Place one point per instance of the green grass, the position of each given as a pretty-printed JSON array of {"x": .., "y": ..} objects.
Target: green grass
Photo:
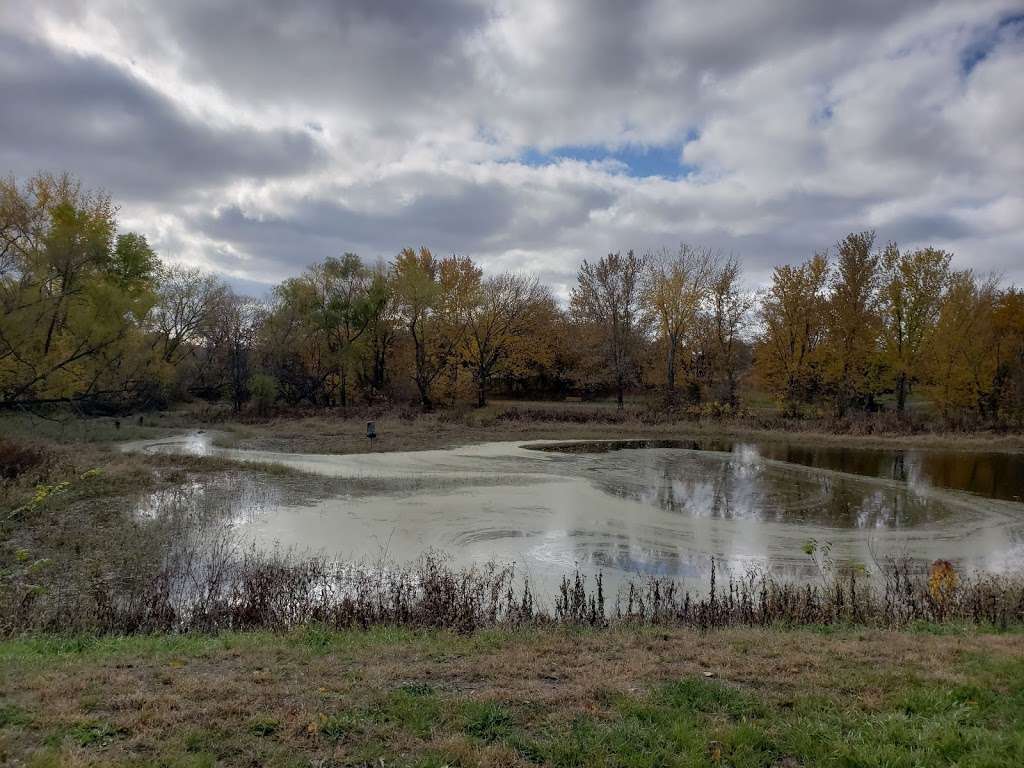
[
  {"x": 70, "y": 428},
  {"x": 425, "y": 698}
]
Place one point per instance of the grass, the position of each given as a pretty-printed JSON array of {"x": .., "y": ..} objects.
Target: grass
[
  {"x": 539, "y": 696},
  {"x": 405, "y": 428},
  {"x": 510, "y": 421}
]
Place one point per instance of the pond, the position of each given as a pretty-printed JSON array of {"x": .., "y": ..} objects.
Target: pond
[{"x": 636, "y": 508}]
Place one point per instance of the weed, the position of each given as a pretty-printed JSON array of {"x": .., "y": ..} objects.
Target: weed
[
  {"x": 337, "y": 727},
  {"x": 264, "y": 725},
  {"x": 487, "y": 721},
  {"x": 93, "y": 733},
  {"x": 11, "y": 715},
  {"x": 696, "y": 695}
]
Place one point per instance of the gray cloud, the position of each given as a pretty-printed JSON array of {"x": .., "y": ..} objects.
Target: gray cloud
[
  {"x": 275, "y": 134},
  {"x": 65, "y": 111}
]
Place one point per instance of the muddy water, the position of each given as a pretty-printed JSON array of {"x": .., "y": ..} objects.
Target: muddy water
[{"x": 660, "y": 509}]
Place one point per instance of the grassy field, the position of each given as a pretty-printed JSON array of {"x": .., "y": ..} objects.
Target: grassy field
[{"x": 561, "y": 697}]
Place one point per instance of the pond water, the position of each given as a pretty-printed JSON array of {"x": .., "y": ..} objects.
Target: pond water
[{"x": 635, "y": 508}]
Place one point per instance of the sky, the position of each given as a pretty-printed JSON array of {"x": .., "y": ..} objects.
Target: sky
[{"x": 256, "y": 137}]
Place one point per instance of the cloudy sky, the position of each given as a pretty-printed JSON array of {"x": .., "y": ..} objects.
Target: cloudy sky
[{"x": 254, "y": 137}]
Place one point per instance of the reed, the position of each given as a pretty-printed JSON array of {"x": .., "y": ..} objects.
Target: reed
[{"x": 209, "y": 585}]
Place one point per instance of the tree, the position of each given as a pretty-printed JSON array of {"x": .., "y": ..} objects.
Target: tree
[
  {"x": 962, "y": 362},
  {"x": 730, "y": 309},
  {"x": 675, "y": 287},
  {"x": 854, "y": 326},
  {"x": 229, "y": 343},
  {"x": 417, "y": 295},
  {"x": 433, "y": 298},
  {"x": 498, "y": 318},
  {"x": 543, "y": 359},
  {"x": 912, "y": 288},
  {"x": 381, "y": 330},
  {"x": 293, "y": 347},
  {"x": 70, "y": 303},
  {"x": 186, "y": 300},
  {"x": 793, "y": 328},
  {"x": 311, "y": 337},
  {"x": 134, "y": 264},
  {"x": 342, "y": 310},
  {"x": 1008, "y": 324},
  {"x": 607, "y": 295},
  {"x": 460, "y": 282}
]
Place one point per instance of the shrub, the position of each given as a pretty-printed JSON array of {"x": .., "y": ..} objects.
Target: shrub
[
  {"x": 263, "y": 389},
  {"x": 17, "y": 459}
]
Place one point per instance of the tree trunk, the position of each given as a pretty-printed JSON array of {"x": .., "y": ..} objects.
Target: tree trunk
[
  {"x": 378, "y": 370},
  {"x": 901, "y": 393},
  {"x": 424, "y": 389},
  {"x": 670, "y": 375},
  {"x": 481, "y": 393}
]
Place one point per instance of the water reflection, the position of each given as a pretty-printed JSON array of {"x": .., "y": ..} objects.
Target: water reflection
[
  {"x": 657, "y": 510},
  {"x": 224, "y": 498},
  {"x": 701, "y": 485},
  {"x": 986, "y": 473}
]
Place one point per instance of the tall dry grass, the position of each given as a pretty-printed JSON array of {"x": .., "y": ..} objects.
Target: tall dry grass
[{"x": 209, "y": 585}]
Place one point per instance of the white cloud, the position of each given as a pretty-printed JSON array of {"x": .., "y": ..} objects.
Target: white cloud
[{"x": 258, "y": 137}]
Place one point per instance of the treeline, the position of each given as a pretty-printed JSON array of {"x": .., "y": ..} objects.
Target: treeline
[{"x": 94, "y": 318}]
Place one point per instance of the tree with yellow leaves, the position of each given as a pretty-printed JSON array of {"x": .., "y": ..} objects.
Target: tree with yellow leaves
[
  {"x": 793, "y": 320},
  {"x": 912, "y": 288},
  {"x": 853, "y": 365},
  {"x": 73, "y": 296},
  {"x": 962, "y": 363},
  {"x": 676, "y": 286},
  {"x": 434, "y": 298},
  {"x": 500, "y": 316},
  {"x": 1008, "y": 324}
]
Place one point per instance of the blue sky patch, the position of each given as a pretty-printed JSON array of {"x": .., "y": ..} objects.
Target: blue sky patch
[
  {"x": 984, "y": 44},
  {"x": 640, "y": 161}
]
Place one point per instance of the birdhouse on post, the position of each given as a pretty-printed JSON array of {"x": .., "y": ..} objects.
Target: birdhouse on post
[{"x": 371, "y": 430}]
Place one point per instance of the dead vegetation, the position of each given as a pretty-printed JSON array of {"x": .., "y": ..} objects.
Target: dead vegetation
[
  {"x": 198, "y": 581},
  {"x": 538, "y": 696}
]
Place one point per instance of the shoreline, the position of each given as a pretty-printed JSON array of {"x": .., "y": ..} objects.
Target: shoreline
[{"x": 337, "y": 432}]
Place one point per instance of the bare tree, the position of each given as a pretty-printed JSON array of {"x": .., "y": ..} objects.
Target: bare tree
[
  {"x": 186, "y": 301},
  {"x": 607, "y": 294},
  {"x": 228, "y": 343}
]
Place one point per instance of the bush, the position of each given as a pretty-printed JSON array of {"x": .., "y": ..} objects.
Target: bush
[
  {"x": 263, "y": 389},
  {"x": 17, "y": 459}
]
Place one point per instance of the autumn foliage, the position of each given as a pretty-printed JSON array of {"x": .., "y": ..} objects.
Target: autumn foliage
[{"x": 94, "y": 318}]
